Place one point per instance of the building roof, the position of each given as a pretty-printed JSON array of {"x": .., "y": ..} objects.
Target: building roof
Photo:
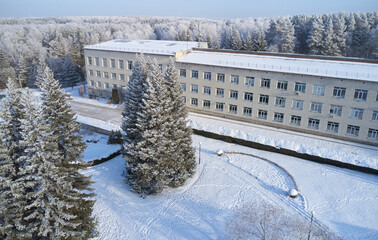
[
  {"x": 285, "y": 64},
  {"x": 146, "y": 46}
]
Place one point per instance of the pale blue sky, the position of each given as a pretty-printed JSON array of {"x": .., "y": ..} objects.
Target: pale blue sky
[{"x": 221, "y": 9}]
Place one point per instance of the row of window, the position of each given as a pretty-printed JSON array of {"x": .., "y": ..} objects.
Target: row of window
[
  {"x": 299, "y": 87},
  {"x": 99, "y": 84},
  {"x": 335, "y": 110},
  {"x": 106, "y": 75},
  {"x": 104, "y": 62},
  {"x": 294, "y": 120}
]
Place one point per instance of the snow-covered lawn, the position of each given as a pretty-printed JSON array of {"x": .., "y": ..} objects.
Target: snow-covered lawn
[
  {"x": 343, "y": 200},
  {"x": 97, "y": 146}
]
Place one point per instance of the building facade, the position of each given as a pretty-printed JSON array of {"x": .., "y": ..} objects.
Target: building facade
[{"x": 335, "y": 98}]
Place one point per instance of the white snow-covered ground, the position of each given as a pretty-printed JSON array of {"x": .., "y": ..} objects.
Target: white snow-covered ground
[
  {"x": 345, "y": 201},
  {"x": 97, "y": 146}
]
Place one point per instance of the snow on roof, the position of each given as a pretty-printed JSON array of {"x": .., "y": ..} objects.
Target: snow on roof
[
  {"x": 146, "y": 46},
  {"x": 315, "y": 67}
]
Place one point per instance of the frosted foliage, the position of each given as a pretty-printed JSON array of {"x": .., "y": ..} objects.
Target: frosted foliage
[
  {"x": 45, "y": 195},
  {"x": 157, "y": 146},
  {"x": 314, "y": 41}
]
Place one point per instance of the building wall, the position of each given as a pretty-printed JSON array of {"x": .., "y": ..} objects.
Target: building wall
[
  {"x": 327, "y": 99},
  {"x": 369, "y": 106}
]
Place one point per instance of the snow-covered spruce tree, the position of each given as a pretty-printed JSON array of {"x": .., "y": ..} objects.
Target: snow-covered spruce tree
[
  {"x": 10, "y": 151},
  {"x": 179, "y": 151},
  {"x": 22, "y": 73},
  {"x": 72, "y": 218},
  {"x": 157, "y": 146},
  {"x": 70, "y": 72},
  {"x": 315, "y": 38}
]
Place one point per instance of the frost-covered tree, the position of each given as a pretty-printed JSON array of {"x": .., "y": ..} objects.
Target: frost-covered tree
[
  {"x": 287, "y": 38},
  {"x": 248, "y": 43},
  {"x": 6, "y": 71},
  {"x": 72, "y": 217},
  {"x": 70, "y": 72},
  {"x": 157, "y": 146},
  {"x": 22, "y": 72},
  {"x": 258, "y": 41},
  {"x": 301, "y": 31},
  {"x": 329, "y": 46},
  {"x": 315, "y": 40},
  {"x": 339, "y": 31},
  {"x": 181, "y": 161},
  {"x": 11, "y": 151},
  {"x": 234, "y": 39}
]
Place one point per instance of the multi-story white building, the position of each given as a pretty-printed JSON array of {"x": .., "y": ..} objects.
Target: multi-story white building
[{"x": 332, "y": 97}]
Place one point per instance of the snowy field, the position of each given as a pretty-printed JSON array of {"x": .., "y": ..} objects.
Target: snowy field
[{"x": 345, "y": 201}]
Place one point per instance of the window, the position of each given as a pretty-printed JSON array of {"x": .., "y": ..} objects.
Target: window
[
  {"x": 105, "y": 62},
  {"x": 107, "y": 85},
  {"x": 112, "y": 63},
  {"x": 375, "y": 116},
  {"x": 206, "y": 90},
  {"x": 360, "y": 95},
  {"x": 297, "y": 104},
  {"x": 233, "y": 94},
  {"x": 280, "y": 102},
  {"x": 182, "y": 72},
  {"x": 183, "y": 86},
  {"x": 114, "y": 85},
  {"x": 234, "y": 79},
  {"x": 339, "y": 92},
  {"x": 278, "y": 117},
  {"x": 376, "y": 98},
  {"x": 97, "y": 61},
  {"x": 90, "y": 72},
  {"x": 356, "y": 113},
  {"x": 220, "y": 92},
  {"x": 207, "y": 76},
  {"x": 300, "y": 87},
  {"x": 98, "y": 74},
  {"x": 263, "y": 114},
  {"x": 92, "y": 83},
  {"x": 206, "y": 103},
  {"x": 316, "y": 107},
  {"x": 248, "y": 96},
  {"x": 89, "y": 60},
  {"x": 313, "y": 123},
  {"x": 247, "y": 111},
  {"x": 233, "y": 109},
  {"x": 194, "y": 102},
  {"x": 194, "y": 74},
  {"x": 282, "y": 85},
  {"x": 353, "y": 130},
  {"x": 319, "y": 90},
  {"x": 121, "y": 64},
  {"x": 122, "y": 77},
  {"x": 332, "y": 127},
  {"x": 249, "y": 81},
  {"x": 194, "y": 88},
  {"x": 106, "y": 75},
  {"x": 265, "y": 83},
  {"x": 335, "y": 110},
  {"x": 130, "y": 65},
  {"x": 295, "y": 120},
  {"x": 219, "y": 106},
  {"x": 220, "y": 77},
  {"x": 264, "y": 99},
  {"x": 99, "y": 84},
  {"x": 114, "y": 76},
  {"x": 160, "y": 67},
  {"x": 373, "y": 134}
]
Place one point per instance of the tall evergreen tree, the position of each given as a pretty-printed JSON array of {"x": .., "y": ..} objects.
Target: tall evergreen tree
[
  {"x": 329, "y": 47},
  {"x": 258, "y": 41},
  {"x": 157, "y": 151},
  {"x": 6, "y": 71},
  {"x": 339, "y": 30},
  {"x": 316, "y": 36},
  {"x": 11, "y": 151},
  {"x": 287, "y": 38},
  {"x": 248, "y": 43},
  {"x": 22, "y": 73},
  {"x": 65, "y": 146},
  {"x": 70, "y": 72},
  {"x": 181, "y": 160}
]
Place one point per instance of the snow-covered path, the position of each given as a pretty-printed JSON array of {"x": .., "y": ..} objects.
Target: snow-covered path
[{"x": 344, "y": 201}]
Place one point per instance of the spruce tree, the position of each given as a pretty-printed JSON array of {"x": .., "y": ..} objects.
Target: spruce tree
[
  {"x": 316, "y": 36},
  {"x": 65, "y": 146},
  {"x": 248, "y": 43},
  {"x": 258, "y": 41},
  {"x": 181, "y": 163},
  {"x": 11, "y": 151},
  {"x": 157, "y": 148},
  {"x": 22, "y": 72}
]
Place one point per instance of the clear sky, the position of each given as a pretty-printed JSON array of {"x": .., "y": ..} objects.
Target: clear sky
[{"x": 220, "y": 9}]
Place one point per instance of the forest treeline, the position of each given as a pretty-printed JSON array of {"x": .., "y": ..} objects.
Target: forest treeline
[{"x": 59, "y": 42}]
